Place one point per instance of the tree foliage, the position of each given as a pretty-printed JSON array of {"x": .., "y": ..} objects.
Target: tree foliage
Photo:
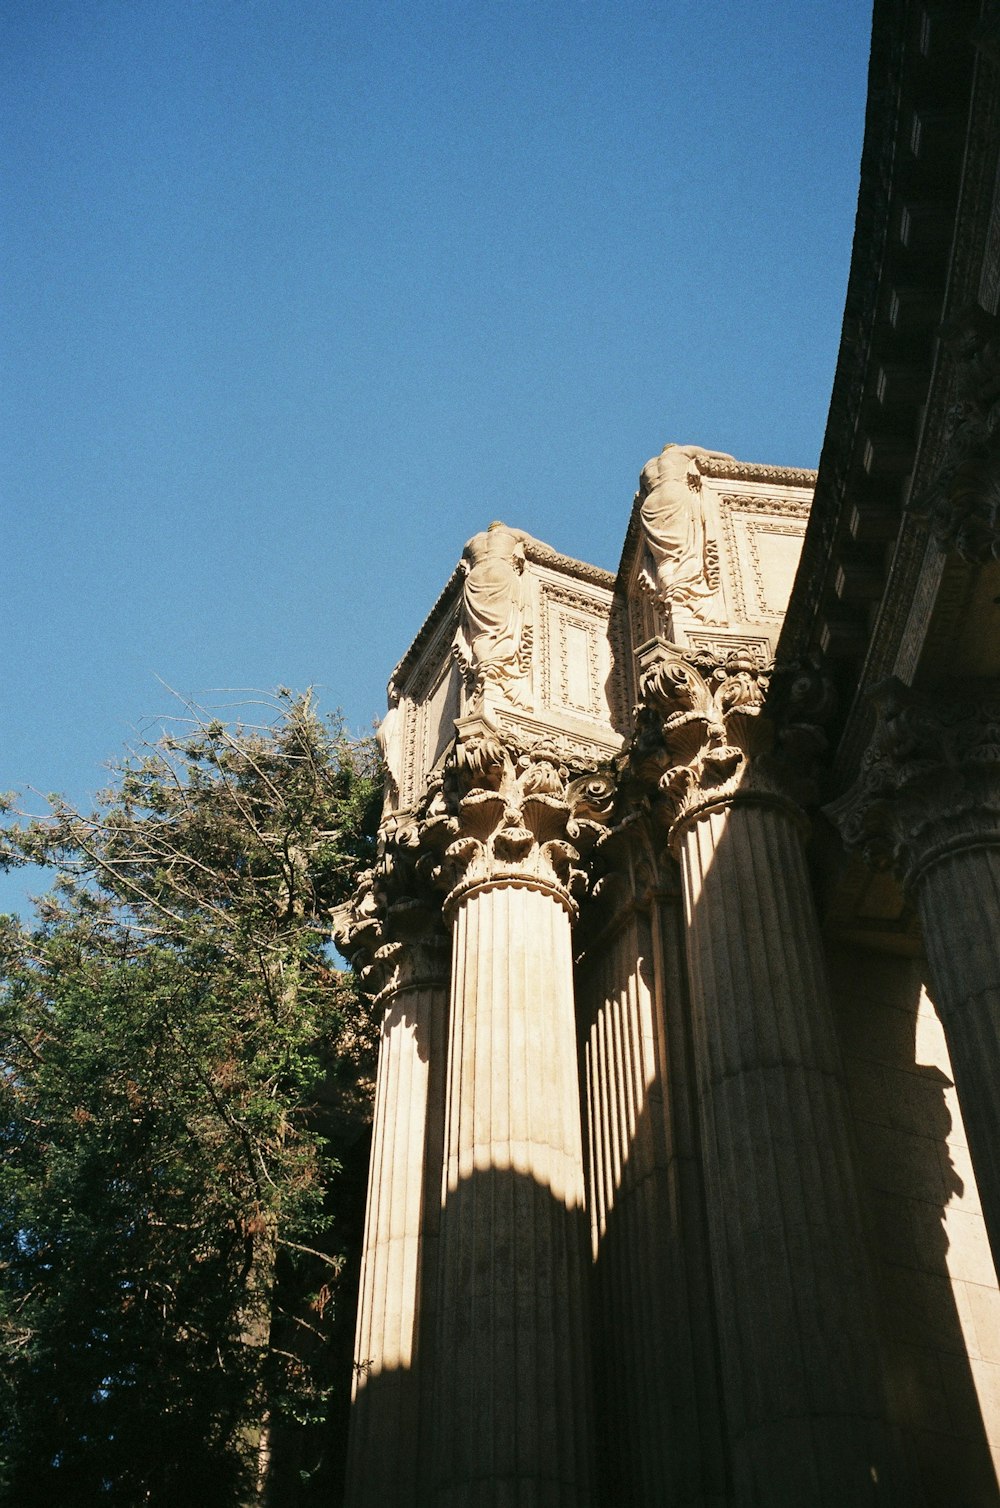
[{"x": 181, "y": 1061}]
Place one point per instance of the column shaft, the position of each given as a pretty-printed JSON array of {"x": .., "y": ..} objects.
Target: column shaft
[
  {"x": 958, "y": 899},
  {"x": 511, "y": 1392},
  {"x": 387, "y": 1452},
  {"x": 801, "y": 1370},
  {"x": 641, "y": 1223}
]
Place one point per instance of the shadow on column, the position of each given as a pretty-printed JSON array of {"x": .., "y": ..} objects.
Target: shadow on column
[
  {"x": 656, "y": 1393},
  {"x": 388, "y": 1448},
  {"x": 507, "y": 1402},
  {"x": 912, "y": 1193}
]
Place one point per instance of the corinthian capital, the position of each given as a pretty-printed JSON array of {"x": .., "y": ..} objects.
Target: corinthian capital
[
  {"x": 715, "y": 731},
  {"x": 929, "y": 784},
  {"x": 391, "y": 929},
  {"x": 514, "y": 814}
]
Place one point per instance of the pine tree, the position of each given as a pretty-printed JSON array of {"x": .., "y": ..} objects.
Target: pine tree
[{"x": 181, "y": 1063}]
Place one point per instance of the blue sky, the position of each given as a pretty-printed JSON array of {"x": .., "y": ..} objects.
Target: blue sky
[{"x": 300, "y": 294}]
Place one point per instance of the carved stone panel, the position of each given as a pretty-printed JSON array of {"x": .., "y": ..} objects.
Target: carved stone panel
[
  {"x": 575, "y": 656},
  {"x": 763, "y": 538}
]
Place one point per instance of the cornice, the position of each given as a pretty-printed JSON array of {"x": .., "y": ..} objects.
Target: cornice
[
  {"x": 870, "y": 232},
  {"x": 923, "y": 203},
  {"x": 443, "y": 604},
  {"x": 757, "y": 471},
  {"x": 544, "y": 555}
]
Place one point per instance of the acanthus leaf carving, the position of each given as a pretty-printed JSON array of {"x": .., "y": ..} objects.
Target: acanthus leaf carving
[
  {"x": 710, "y": 730},
  {"x": 391, "y": 930},
  {"x": 512, "y": 814},
  {"x": 630, "y": 867},
  {"x": 929, "y": 782}
]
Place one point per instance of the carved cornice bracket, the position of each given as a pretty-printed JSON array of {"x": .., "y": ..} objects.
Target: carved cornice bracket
[
  {"x": 714, "y": 731},
  {"x": 929, "y": 784}
]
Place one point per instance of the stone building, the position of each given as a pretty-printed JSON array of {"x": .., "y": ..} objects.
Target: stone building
[{"x": 685, "y": 1176}]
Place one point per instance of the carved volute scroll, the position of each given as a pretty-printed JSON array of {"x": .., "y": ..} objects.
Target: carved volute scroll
[
  {"x": 512, "y": 814},
  {"x": 494, "y": 639},
  {"x": 929, "y": 784},
  {"x": 683, "y": 568},
  {"x": 712, "y": 731},
  {"x": 963, "y": 501}
]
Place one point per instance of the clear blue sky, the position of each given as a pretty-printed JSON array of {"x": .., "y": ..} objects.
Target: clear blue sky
[{"x": 299, "y": 294}]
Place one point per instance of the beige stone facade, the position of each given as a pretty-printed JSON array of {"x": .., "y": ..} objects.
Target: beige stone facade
[{"x": 685, "y": 1178}]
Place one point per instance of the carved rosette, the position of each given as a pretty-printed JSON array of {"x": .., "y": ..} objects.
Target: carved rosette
[
  {"x": 929, "y": 784},
  {"x": 509, "y": 814},
  {"x": 713, "y": 731}
]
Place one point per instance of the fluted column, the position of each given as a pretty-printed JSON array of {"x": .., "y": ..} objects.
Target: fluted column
[
  {"x": 404, "y": 952},
  {"x": 927, "y": 803},
  {"x": 804, "y": 1397},
  {"x": 511, "y": 1375},
  {"x": 655, "y": 1423}
]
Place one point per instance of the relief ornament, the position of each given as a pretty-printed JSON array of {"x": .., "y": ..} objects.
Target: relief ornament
[
  {"x": 493, "y": 644},
  {"x": 683, "y": 564},
  {"x": 711, "y": 731},
  {"x": 510, "y": 813},
  {"x": 929, "y": 783}
]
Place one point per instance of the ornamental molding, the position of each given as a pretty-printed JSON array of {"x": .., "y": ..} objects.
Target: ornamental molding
[
  {"x": 727, "y": 469},
  {"x": 573, "y": 609},
  {"x": 784, "y": 507},
  {"x": 713, "y": 731},
  {"x": 785, "y": 516},
  {"x": 576, "y": 751},
  {"x": 544, "y": 555},
  {"x": 446, "y": 603},
  {"x": 929, "y": 783},
  {"x": 720, "y": 644}
]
